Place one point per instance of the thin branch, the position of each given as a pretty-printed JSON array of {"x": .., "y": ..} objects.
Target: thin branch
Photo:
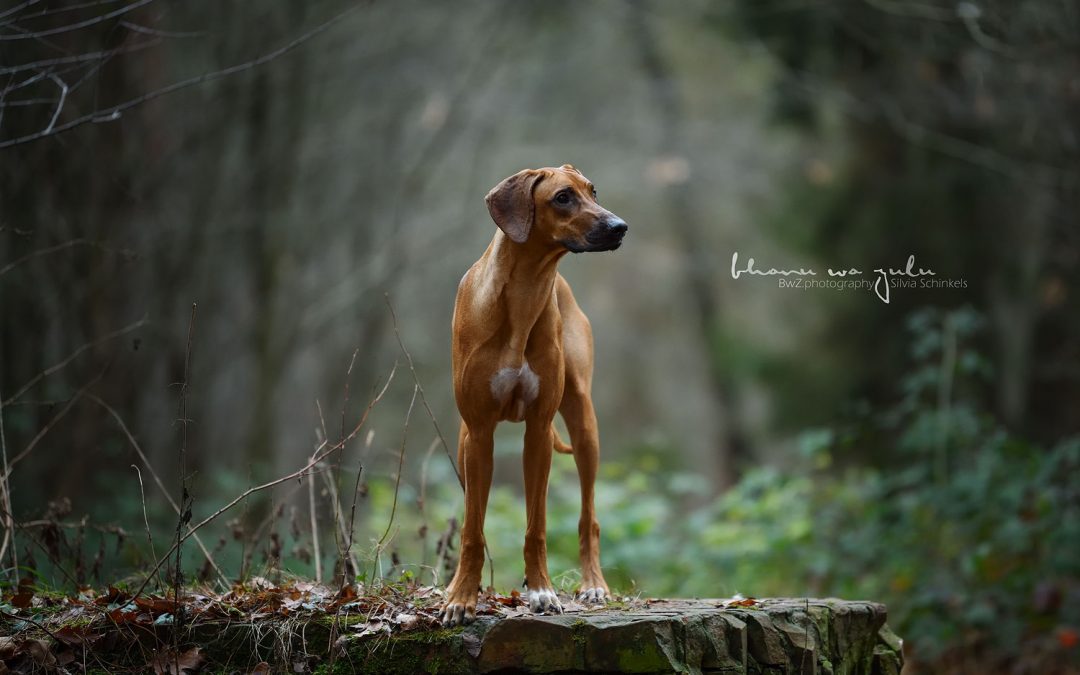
[
  {"x": 401, "y": 466},
  {"x": 146, "y": 30},
  {"x": 5, "y": 502},
  {"x": 146, "y": 520},
  {"x": 49, "y": 425},
  {"x": 77, "y": 58},
  {"x": 113, "y": 113},
  {"x": 27, "y": 102},
  {"x": 59, "y": 104},
  {"x": 18, "y": 8},
  {"x": 16, "y": 617},
  {"x": 356, "y": 492},
  {"x": 420, "y": 388},
  {"x": 157, "y": 479},
  {"x": 330, "y": 478},
  {"x": 186, "y": 500},
  {"x": 62, "y": 10},
  {"x": 56, "y": 562},
  {"x": 435, "y": 423},
  {"x": 25, "y": 83},
  {"x": 45, "y": 251},
  {"x": 71, "y": 357},
  {"x": 79, "y": 24},
  {"x": 913, "y": 10},
  {"x": 321, "y": 452},
  {"x": 346, "y": 538},
  {"x": 314, "y": 531},
  {"x": 422, "y": 502}
]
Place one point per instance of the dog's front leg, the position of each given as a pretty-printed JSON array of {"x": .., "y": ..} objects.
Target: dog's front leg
[
  {"x": 462, "y": 593},
  {"x": 537, "y": 466}
]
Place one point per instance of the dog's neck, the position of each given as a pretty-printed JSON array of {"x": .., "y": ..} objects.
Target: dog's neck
[{"x": 526, "y": 278}]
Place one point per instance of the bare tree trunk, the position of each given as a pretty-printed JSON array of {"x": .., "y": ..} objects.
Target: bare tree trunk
[{"x": 683, "y": 204}]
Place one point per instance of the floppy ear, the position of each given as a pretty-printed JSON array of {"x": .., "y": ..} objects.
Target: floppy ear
[{"x": 511, "y": 206}]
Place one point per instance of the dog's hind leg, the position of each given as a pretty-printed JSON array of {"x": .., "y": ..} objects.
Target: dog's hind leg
[{"x": 577, "y": 411}]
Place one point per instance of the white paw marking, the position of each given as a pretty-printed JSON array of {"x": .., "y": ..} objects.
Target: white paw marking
[
  {"x": 505, "y": 380},
  {"x": 544, "y": 600},
  {"x": 592, "y": 595}
]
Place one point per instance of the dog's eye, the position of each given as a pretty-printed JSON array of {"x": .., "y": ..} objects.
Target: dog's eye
[
  {"x": 563, "y": 197},
  {"x": 594, "y": 193}
]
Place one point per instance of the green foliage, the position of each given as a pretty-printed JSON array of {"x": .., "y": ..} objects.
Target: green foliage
[
  {"x": 971, "y": 537},
  {"x": 966, "y": 532}
]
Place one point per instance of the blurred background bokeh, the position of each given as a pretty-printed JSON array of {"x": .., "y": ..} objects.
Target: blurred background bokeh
[{"x": 755, "y": 439}]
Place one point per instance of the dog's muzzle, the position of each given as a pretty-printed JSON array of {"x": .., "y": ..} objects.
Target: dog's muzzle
[{"x": 606, "y": 235}]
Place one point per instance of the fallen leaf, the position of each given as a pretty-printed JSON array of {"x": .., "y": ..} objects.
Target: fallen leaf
[
  {"x": 22, "y": 600},
  {"x": 1068, "y": 638},
  {"x": 172, "y": 663},
  {"x": 373, "y": 628},
  {"x": 38, "y": 650},
  {"x": 75, "y": 636},
  {"x": 155, "y": 604},
  {"x": 740, "y": 601},
  {"x": 406, "y": 621}
]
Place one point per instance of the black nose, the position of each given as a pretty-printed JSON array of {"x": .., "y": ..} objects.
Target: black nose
[{"x": 617, "y": 226}]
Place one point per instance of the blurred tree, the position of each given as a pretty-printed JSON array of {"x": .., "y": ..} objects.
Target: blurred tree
[
  {"x": 962, "y": 122},
  {"x": 683, "y": 203}
]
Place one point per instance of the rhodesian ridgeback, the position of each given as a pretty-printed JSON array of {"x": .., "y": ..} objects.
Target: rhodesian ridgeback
[{"x": 522, "y": 349}]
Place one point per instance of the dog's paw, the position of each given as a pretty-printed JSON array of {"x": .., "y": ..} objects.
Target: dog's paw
[
  {"x": 460, "y": 609},
  {"x": 544, "y": 600},
  {"x": 592, "y": 596},
  {"x": 458, "y": 614}
]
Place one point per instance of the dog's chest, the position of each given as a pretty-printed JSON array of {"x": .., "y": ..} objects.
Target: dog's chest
[{"x": 514, "y": 389}]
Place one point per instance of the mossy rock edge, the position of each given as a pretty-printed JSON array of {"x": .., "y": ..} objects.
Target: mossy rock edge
[{"x": 773, "y": 636}]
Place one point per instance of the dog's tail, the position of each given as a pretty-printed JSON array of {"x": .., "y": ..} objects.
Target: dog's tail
[{"x": 560, "y": 445}]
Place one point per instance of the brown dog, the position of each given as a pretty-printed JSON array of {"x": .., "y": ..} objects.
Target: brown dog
[{"x": 522, "y": 350}]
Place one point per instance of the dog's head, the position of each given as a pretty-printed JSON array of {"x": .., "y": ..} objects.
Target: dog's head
[{"x": 555, "y": 207}]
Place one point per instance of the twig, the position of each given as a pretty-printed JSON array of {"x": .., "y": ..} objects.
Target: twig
[
  {"x": 420, "y": 388},
  {"x": 79, "y": 24},
  {"x": 17, "y": 8},
  {"x": 146, "y": 30},
  {"x": 345, "y": 398},
  {"x": 113, "y": 113},
  {"x": 356, "y": 492},
  {"x": 157, "y": 480},
  {"x": 146, "y": 520},
  {"x": 55, "y": 560},
  {"x": 52, "y": 11},
  {"x": 401, "y": 466},
  {"x": 314, "y": 531},
  {"x": 346, "y": 538},
  {"x": 186, "y": 500},
  {"x": 30, "y": 621},
  {"x": 78, "y": 58},
  {"x": 421, "y": 502},
  {"x": 71, "y": 357},
  {"x": 59, "y": 104},
  {"x": 49, "y": 425},
  {"x": 322, "y": 451},
  {"x": 345, "y": 555},
  {"x": 5, "y": 502},
  {"x": 330, "y": 477},
  {"x": 82, "y": 524},
  {"x": 435, "y": 423}
]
